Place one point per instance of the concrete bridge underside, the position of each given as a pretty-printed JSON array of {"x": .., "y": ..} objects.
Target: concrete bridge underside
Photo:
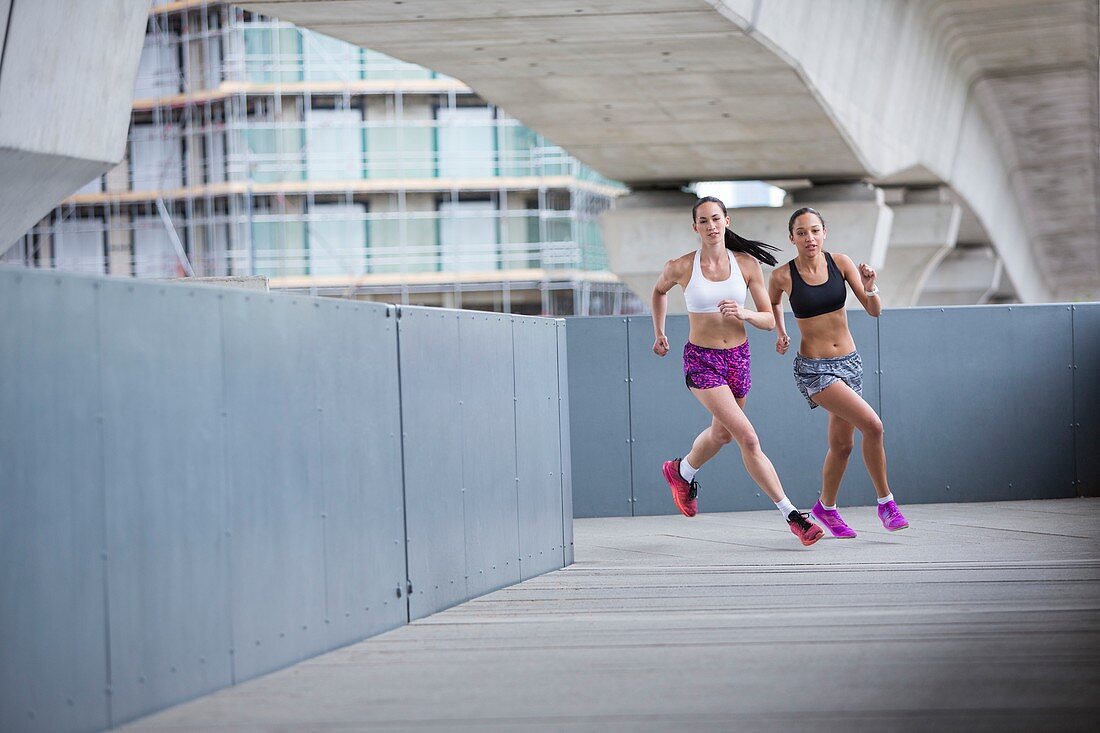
[{"x": 983, "y": 112}]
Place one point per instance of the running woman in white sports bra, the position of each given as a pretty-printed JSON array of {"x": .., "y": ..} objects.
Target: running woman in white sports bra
[{"x": 716, "y": 279}]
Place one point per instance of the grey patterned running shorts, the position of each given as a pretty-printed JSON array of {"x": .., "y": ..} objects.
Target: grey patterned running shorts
[{"x": 814, "y": 375}]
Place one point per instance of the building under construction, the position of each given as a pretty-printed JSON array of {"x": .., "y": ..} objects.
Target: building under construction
[{"x": 258, "y": 148}]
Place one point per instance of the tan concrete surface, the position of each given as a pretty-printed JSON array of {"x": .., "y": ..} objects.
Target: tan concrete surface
[{"x": 977, "y": 617}]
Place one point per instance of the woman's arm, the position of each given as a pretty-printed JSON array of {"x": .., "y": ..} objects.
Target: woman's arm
[
  {"x": 754, "y": 280},
  {"x": 669, "y": 277},
  {"x": 862, "y": 282},
  {"x": 777, "y": 285}
]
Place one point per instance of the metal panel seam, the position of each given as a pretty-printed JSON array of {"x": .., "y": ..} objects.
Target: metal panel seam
[
  {"x": 227, "y": 533},
  {"x": 7, "y": 35},
  {"x": 1077, "y": 484},
  {"x": 106, "y": 560},
  {"x": 878, "y": 349},
  {"x": 319, "y": 417},
  {"x": 401, "y": 448},
  {"x": 462, "y": 459},
  {"x": 515, "y": 448},
  {"x": 629, "y": 420},
  {"x": 561, "y": 458}
]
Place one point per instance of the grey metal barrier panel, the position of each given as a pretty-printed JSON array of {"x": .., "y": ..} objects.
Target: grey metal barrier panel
[
  {"x": 53, "y": 624},
  {"x": 431, "y": 416},
  {"x": 666, "y": 418},
  {"x": 564, "y": 445},
  {"x": 1086, "y": 396},
  {"x": 360, "y": 433},
  {"x": 599, "y": 416},
  {"x": 484, "y": 383},
  {"x": 166, "y": 509},
  {"x": 295, "y": 371},
  {"x": 978, "y": 402},
  {"x": 538, "y": 445}
]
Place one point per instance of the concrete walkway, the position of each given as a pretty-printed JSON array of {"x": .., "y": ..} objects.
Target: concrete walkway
[{"x": 977, "y": 617}]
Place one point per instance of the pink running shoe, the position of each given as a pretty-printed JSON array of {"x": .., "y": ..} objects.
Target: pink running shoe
[
  {"x": 803, "y": 528},
  {"x": 833, "y": 521},
  {"x": 891, "y": 516},
  {"x": 683, "y": 493}
]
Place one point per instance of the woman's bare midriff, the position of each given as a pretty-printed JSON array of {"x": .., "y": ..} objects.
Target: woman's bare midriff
[
  {"x": 715, "y": 331},
  {"x": 825, "y": 336}
]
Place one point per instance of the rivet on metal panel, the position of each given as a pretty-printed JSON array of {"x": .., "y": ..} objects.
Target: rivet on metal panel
[
  {"x": 141, "y": 679},
  {"x": 103, "y": 554},
  {"x": 316, "y": 305},
  {"x": 1010, "y": 307},
  {"x": 257, "y": 642},
  {"x": 248, "y": 297},
  {"x": 202, "y": 660},
  {"x": 173, "y": 669},
  {"x": 324, "y": 515},
  {"x": 220, "y": 296},
  {"x": 70, "y": 702},
  {"x": 941, "y": 310},
  {"x": 282, "y": 634},
  {"x": 95, "y": 286}
]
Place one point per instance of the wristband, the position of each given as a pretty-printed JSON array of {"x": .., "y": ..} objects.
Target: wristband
[{"x": 873, "y": 292}]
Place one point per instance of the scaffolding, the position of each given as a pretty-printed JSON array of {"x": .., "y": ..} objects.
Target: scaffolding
[{"x": 258, "y": 148}]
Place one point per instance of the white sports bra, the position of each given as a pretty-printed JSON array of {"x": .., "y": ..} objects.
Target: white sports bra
[{"x": 702, "y": 295}]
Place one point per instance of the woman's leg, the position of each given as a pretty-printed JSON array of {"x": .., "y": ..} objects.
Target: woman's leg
[
  {"x": 727, "y": 412},
  {"x": 841, "y": 434},
  {"x": 839, "y": 399},
  {"x": 710, "y": 441}
]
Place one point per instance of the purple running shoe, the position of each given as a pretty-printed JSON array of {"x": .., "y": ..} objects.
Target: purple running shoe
[
  {"x": 833, "y": 521},
  {"x": 891, "y": 516}
]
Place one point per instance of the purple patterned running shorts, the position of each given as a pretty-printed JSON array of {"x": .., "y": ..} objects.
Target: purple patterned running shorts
[{"x": 708, "y": 368}]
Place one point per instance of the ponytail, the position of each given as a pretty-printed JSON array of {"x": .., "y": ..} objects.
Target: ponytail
[{"x": 735, "y": 242}]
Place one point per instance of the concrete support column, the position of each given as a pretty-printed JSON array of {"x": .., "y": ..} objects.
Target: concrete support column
[
  {"x": 967, "y": 276},
  {"x": 120, "y": 245},
  {"x": 923, "y": 233}
]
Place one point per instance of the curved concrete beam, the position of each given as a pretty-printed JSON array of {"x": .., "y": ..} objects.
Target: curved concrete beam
[
  {"x": 66, "y": 86},
  {"x": 992, "y": 97}
]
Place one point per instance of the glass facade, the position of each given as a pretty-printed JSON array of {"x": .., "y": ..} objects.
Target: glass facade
[{"x": 332, "y": 169}]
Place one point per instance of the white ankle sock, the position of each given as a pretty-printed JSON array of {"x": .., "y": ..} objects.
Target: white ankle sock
[
  {"x": 785, "y": 507},
  {"x": 888, "y": 497},
  {"x": 829, "y": 508},
  {"x": 687, "y": 472}
]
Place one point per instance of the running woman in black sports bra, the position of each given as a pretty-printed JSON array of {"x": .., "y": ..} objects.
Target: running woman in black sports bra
[{"x": 827, "y": 368}]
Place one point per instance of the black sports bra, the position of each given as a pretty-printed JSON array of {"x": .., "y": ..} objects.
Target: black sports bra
[{"x": 808, "y": 301}]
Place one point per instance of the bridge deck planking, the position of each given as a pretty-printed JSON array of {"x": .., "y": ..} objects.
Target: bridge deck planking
[{"x": 980, "y": 616}]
